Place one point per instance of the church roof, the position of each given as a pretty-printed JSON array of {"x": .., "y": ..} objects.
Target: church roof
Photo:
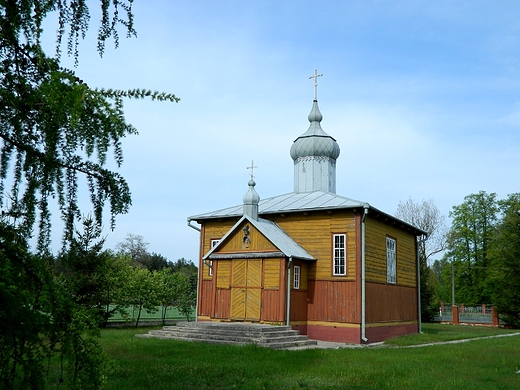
[
  {"x": 299, "y": 202},
  {"x": 291, "y": 202},
  {"x": 274, "y": 233}
]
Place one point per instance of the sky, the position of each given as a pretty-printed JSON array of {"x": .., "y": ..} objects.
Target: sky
[{"x": 422, "y": 97}]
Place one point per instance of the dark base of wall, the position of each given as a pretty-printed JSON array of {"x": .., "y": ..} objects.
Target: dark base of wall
[
  {"x": 335, "y": 334},
  {"x": 352, "y": 335},
  {"x": 382, "y": 333}
]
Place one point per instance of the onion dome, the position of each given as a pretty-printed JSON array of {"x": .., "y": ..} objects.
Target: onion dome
[
  {"x": 251, "y": 199},
  {"x": 315, "y": 142}
]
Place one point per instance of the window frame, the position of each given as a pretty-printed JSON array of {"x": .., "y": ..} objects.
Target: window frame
[
  {"x": 296, "y": 277},
  {"x": 391, "y": 260},
  {"x": 339, "y": 255},
  {"x": 213, "y": 243}
]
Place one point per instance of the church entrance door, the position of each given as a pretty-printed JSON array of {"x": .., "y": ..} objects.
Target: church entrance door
[{"x": 246, "y": 290}]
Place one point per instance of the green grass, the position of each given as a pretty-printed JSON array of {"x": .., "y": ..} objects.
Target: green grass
[
  {"x": 167, "y": 364},
  {"x": 433, "y": 333}
]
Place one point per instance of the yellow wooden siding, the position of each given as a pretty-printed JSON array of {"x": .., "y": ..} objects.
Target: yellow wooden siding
[
  {"x": 238, "y": 242},
  {"x": 272, "y": 273},
  {"x": 223, "y": 273},
  {"x": 376, "y": 233},
  {"x": 213, "y": 230},
  {"x": 314, "y": 233}
]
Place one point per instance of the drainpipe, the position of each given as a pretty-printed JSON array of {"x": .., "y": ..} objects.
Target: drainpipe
[
  {"x": 288, "y": 314},
  {"x": 199, "y": 270},
  {"x": 363, "y": 269},
  {"x": 419, "y": 317}
]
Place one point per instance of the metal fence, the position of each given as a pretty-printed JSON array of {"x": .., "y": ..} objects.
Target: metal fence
[
  {"x": 467, "y": 314},
  {"x": 172, "y": 314}
]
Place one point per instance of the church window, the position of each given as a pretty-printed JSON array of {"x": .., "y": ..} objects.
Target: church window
[
  {"x": 213, "y": 244},
  {"x": 340, "y": 260},
  {"x": 391, "y": 269},
  {"x": 296, "y": 281}
]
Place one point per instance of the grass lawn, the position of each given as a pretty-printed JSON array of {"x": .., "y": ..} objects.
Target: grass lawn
[{"x": 167, "y": 364}]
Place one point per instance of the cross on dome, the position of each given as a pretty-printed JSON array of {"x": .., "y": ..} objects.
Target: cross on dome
[
  {"x": 315, "y": 77},
  {"x": 252, "y": 167}
]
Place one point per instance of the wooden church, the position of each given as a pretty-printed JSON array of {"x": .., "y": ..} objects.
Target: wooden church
[{"x": 335, "y": 268}]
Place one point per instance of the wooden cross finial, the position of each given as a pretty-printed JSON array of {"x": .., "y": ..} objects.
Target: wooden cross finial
[
  {"x": 252, "y": 167},
  {"x": 315, "y": 77}
]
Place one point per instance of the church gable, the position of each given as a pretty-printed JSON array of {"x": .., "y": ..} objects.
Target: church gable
[{"x": 245, "y": 238}]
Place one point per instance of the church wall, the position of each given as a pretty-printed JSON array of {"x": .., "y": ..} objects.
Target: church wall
[
  {"x": 376, "y": 233},
  {"x": 213, "y": 230},
  {"x": 313, "y": 231},
  {"x": 333, "y": 301},
  {"x": 390, "y": 303}
]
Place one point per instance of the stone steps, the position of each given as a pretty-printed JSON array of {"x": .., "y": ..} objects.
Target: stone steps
[{"x": 275, "y": 337}]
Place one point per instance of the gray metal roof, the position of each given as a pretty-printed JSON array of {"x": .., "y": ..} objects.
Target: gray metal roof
[
  {"x": 274, "y": 233},
  {"x": 292, "y": 202},
  {"x": 299, "y": 201}
]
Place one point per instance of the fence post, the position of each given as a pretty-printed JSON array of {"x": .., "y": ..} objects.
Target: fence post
[
  {"x": 483, "y": 308},
  {"x": 455, "y": 315},
  {"x": 494, "y": 316},
  {"x": 442, "y": 306},
  {"x": 462, "y": 308}
]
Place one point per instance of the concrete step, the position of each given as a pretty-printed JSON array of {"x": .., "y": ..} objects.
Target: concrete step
[{"x": 275, "y": 337}]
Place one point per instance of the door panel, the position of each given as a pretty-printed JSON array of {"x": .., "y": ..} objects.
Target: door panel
[{"x": 246, "y": 290}]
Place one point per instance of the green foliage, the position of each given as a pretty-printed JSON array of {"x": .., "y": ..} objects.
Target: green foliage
[
  {"x": 54, "y": 128},
  {"x": 40, "y": 320},
  {"x": 468, "y": 246},
  {"x": 142, "y": 291},
  {"x": 504, "y": 277}
]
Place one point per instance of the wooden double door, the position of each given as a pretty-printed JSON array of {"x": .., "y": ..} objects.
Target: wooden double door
[{"x": 246, "y": 290}]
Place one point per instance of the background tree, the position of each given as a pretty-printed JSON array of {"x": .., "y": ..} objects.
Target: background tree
[
  {"x": 189, "y": 269},
  {"x": 426, "y": 216},
  {"x": 142, "y": 291},
  {"x": 504, "y": 256},
  {"x": 136, "y": 248},
  {"x": 469, "y": 242},
  {"x": 54, "y": 128}
]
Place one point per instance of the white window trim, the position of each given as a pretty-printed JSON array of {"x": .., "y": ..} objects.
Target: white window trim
[
  {"x": 339, "y": 249},
  {"x": 391, "y": 260},
  {"x": 296, "y": 279},
  {"x": 213, "y": 244}
]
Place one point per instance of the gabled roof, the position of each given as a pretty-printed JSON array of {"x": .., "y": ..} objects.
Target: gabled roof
[
  {"x": 301, "y": 201},
  {"x": 292, "y": 202},
  {"x": 271, "y": 231}
]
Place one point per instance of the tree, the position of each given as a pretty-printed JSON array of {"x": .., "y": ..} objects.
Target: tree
[
  {"x": 143, "y": 291},
  {"x": 469, "y": 241},
  {"x": 135, "y": 247},
  {"x": 427, "y": 217},
  {"x": 189, "y": 269},
  {"x": 54, "y": 128},
  {"x": 93, "y": 276},
  {"x": 504, "y": 255},
  {"x": 40, "y": 320}
]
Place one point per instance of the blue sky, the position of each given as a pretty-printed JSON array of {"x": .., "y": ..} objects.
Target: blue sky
[{"x": 423, "y": 98}]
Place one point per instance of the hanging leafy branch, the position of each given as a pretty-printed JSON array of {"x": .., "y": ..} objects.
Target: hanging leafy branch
[{"x": 54, "y": 127}]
